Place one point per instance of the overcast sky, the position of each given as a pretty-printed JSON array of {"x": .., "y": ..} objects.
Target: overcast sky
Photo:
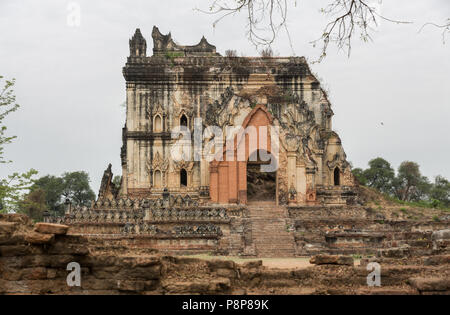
[{"x": 70, "y": 84}]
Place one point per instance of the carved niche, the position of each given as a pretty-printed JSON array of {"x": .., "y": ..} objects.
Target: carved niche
[{"x": 158, "y": 164}]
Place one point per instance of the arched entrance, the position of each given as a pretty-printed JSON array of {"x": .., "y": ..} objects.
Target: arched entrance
[
  {"x": 337, "y": 176},
  {"x": 183, "y": 178},
  {"x": 261, "y": 183},
  {"x": 228, "y": 177}
]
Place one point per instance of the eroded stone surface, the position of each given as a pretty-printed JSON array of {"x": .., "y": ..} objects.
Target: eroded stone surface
[
  {"x": 430, "y": 284},
  {"x": 331, "y": 260},
  {"x": 49, "y": 228},
  {"x": 34, "y": 268}
]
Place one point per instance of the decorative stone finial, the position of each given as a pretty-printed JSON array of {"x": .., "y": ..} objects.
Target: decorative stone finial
[
  {"x": 138, "y": 45},
  {"x": 162, "y": 44}
]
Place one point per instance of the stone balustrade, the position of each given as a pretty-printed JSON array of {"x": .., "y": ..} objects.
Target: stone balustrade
[
  {"x": 193, "y": 214},
  {"x": 85, "y": 215},
  {"x": 185, "y": 230}
]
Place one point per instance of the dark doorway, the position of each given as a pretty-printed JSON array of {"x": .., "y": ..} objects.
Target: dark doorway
[
  {"x": 183, "y": 121},
  {"x": 337, "y": 176},
  {"x": 261, "y": 185},
  {"x": 183, "y": 177}
]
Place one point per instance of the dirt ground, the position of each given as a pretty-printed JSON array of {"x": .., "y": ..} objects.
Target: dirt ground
[{"x": 272, "y": 263}]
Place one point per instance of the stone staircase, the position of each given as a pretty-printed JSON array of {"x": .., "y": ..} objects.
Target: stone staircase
[{"x": 270, "y": 234}]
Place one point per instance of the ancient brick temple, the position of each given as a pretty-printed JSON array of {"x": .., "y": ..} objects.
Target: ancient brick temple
[
  {"x": 225, "y": 154},
  {"x": 194, "y": 86}
]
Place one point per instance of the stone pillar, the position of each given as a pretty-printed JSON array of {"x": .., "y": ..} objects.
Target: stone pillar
[
  {"x": 292, "y": 176},
  {"x": 190, "y": 177},
  {"x": 242, "y": 182},
  {"x": 319, "y": 177},
  {"x": 223, "y": 183},
  {"x": 196, "y": 176},
  {"x": 204, "y": 173},
  {"x": 214, "y": 183},
  {"x": 124, "y": 183},
  {"x": 301, "y": 182},
  {"x": 232, "y": 182}
]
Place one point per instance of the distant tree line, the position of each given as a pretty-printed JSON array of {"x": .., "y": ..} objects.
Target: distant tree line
[
  {"x": 49, "y": 193},
  {"x": 408, "y": 185}
]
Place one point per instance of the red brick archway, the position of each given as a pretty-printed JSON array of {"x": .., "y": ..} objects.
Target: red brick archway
[{"x": 228, "y": 179}]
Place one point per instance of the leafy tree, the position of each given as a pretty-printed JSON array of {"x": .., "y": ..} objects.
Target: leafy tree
[
  {"x": 7, "y": 106},
  {"x": 380, "y": 175},
  {"x": 76, "y": 188},
  {"x": 440, "y": 191},
  {"x": 12, "y": 188},
  {"x": 53, "y": 187},
  {"x": 14, "y": 185},
  {"x": 359, "y": 175},
  {"x": 34, "y": 205},
  {"x": 410, "y": 184}
]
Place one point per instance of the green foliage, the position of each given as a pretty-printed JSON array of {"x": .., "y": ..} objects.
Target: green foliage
[
  {"x": 417, "y": 204},
  {"x": 12, "y": 188},
  {"x": 359, "y": 175},
  {"x": 379, "y": 175},
  {"x": 20, "y": 193},
  {"x": 440, "y": 192},
  {"x": 71, "y": 185},
  {"x": 117, "y": 181},
  {"x": 76, "y": 188},
  {"x": 171, "y": 55},
  {"x": 7, "y": 105},
  {"x": 34, "y": 205},
  {"x": 410, "y": 184},
  {"x": 53, "y": 187},
  {"x": 409, "y": 187}
]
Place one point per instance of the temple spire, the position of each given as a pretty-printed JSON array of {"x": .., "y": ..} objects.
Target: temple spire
[{"x": 138, "y": 45}]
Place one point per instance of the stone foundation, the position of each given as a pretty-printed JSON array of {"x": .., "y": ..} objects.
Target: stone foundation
[
  {"x": 34, "y": 261},
  {"x": 261, "y": 229}
]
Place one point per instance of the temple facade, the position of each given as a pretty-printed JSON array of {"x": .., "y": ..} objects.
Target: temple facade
[{"x": 226, "y": 130}]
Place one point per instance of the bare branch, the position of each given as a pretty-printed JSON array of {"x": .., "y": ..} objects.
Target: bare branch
[
  {"x": 352, "y": 16},
  {"x": 266, "y": 17},
  {"x": 445, "y": 28}
]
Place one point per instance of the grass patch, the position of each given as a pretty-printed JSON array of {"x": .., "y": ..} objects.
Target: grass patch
[
  {"x": 171, "y": 55},
  {"x": 436, "y": 219},
  {"x": 430, "y": 204}
]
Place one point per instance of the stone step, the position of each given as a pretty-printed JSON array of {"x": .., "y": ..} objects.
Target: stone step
[{"x": 269, "y": 231}]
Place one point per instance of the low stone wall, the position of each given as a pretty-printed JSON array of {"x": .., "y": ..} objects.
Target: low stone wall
[
  {"x": 34, "y": 260},
  {"x": 350, "y": 230},
  {"x": 360, "y": 231},
  {"x": 191, "y": 229}
]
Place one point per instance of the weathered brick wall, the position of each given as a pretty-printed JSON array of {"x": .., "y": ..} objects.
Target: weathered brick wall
[
  {"x": 360, "y": 230},
  {"x": 34, "y": 258}
]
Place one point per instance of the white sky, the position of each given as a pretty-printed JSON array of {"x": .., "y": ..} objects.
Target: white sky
[{"x": 70, "y": 84}]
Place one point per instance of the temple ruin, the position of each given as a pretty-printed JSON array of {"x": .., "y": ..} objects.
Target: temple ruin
[
  {"x": 219, "y": 153},
  {"x": 227, "y": 156},
  {"x": 181, "y": 86}
]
